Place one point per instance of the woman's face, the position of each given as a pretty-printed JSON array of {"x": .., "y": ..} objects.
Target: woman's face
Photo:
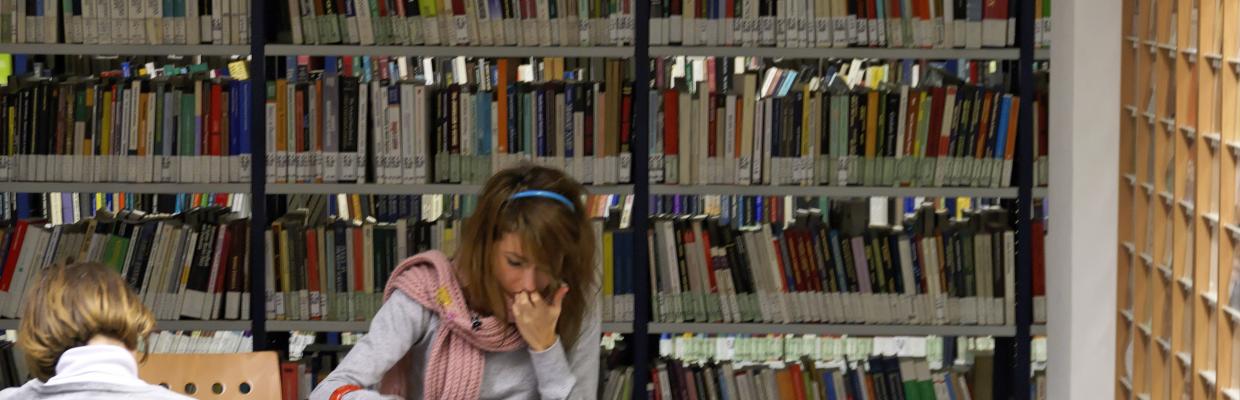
[{"x": 515, "y": 271}]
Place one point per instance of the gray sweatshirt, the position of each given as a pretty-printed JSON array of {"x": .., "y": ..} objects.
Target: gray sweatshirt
[
  {"x": 402, "y": 325},
  {"x": 97, "y": 372}
]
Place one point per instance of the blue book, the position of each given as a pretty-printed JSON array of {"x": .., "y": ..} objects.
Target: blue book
[
  {"x": 569, "y": 97},
  {"x": 540, "y": 121},
  {"x": 1000, "y": 143},
  {"x": 828, "y": 378}
]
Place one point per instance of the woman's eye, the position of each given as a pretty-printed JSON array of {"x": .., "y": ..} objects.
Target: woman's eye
[{"x": 516, "y": 264}]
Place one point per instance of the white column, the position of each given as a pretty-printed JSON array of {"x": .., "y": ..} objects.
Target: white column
[{"x": 1084, "y": 176}]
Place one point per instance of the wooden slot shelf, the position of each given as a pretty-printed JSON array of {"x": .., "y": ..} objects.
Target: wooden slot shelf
[
  {"x": 1189, "y": 132},
  {"x": 1233, "y": 314},
  {"x": 1231, "y": 394},
  {"x": 1186, "y": 358},
  {"x": 1211, "y": 299}
]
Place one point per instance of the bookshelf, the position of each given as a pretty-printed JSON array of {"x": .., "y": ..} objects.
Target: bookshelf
[
  {"x": 1189, "y": 161},
  {"x": 640, "y": 54}
]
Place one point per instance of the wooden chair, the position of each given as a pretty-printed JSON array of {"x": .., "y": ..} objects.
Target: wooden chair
[{"x": 239, "y": 376}]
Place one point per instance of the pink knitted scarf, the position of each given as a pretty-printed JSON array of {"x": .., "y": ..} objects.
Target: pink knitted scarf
[{"x": 459, "y": 345}]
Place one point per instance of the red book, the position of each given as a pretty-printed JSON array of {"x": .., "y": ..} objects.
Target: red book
[
  {"x": 358, "y": 262},
  {"x": 671, "y": 122},
  {"x": 936, "y": 121},
  {"x": 214, "y": 121},
  {"x": 10, "y": 264},
  {"x": 312, "y": 264},
  {"x": 945, "y": 140},
  {"x": 710, "y": 260},
  {"x": 783, "y": 266},
  {"x": 794, "y": 374},
  {"x": 792, "y": 240},
  {"x": 712, "y": 126},
  {"x": 288, "y": 377},
  {"x": 221, "y": 268}
]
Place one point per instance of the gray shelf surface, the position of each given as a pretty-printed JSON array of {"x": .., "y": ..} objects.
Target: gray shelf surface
[
  {"x": 381, "y": 188},
  {"x": 448, "y": 51},
  {"x": 126, "y": 49},
  {"x": 83, "y": 187}
]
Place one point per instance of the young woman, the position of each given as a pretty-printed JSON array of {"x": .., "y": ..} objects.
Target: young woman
[
  {"x": 510, "y": 316},
  {"x": 79, "y": 329}
]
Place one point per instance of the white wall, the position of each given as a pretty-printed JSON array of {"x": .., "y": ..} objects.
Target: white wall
[{"x": 1084, "y": 175}]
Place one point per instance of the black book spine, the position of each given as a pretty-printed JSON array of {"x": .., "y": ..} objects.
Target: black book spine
[{"x": 349, "y": 105}]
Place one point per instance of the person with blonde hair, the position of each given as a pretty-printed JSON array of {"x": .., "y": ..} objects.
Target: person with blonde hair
[
  {"x": 511, "y": 315},
  {"x": 79, "y": 330}
]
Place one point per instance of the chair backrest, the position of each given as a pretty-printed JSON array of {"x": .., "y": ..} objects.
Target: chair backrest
[{"x": 237, "y": 376}]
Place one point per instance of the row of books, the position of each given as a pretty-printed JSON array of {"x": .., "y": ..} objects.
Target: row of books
[
  {"x": 842, "y": 123},
  {"x": 13, "y": 369},
  {"x": 843, "y": 23},
  {"x": 877, "y": 378},
  {"x": 370, "y": 119},
  {"x": 934, "y": 269},
  {"x": 188, "y": 265},
  {"x": 124, "y": 128},
  {"x": 198, "y": 342},
  {"x": 457, "y": 23},
  {"x": 321, "y": 266},
  {"x": 126, "y": 21},
  {"x": 71, "y": 208}
]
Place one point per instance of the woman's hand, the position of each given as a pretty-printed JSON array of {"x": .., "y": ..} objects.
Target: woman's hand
[{"x": 536, "y": 318}]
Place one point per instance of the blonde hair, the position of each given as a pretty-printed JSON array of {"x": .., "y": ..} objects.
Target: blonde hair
[
  {"x": 72, "y": 304},
  {"x": 557, "y": 238}
]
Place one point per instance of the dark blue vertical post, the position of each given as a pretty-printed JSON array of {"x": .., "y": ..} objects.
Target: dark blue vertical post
[
  {"x": 258, "y": 173},
  {"x": 641, "y": 197},
  {"x": 1024, "y": 180}
]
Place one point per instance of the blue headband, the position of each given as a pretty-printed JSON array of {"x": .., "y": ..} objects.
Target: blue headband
[{"x": 546, "y": 195}]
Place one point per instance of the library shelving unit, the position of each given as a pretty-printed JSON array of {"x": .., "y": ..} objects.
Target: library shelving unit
[
  {"x": 640, "y": 53},
  {"x": 1177, "y": 229}
]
